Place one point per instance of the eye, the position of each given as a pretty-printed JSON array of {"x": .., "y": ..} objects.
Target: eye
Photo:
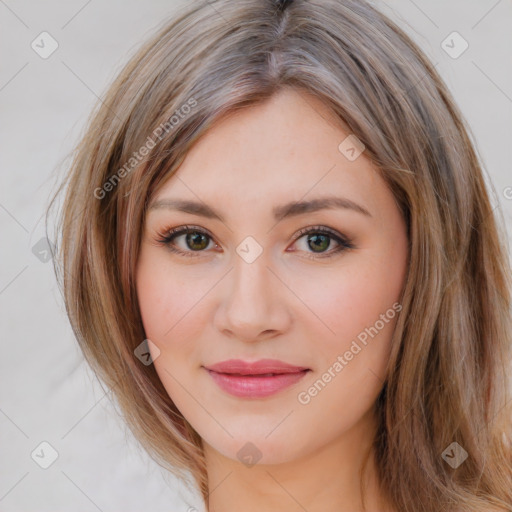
[
  {"x": 196, "y": 240},
  {"x": 319, "y": 238}
]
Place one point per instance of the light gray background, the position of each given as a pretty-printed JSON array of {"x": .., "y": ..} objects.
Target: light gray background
[{"x": 47, "y": 392}]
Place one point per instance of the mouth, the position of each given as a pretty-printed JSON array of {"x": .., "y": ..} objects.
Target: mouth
[{"x": 257, "y": 379}]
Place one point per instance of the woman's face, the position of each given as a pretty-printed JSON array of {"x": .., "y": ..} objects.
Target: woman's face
[{"x": 248, "y": 285}]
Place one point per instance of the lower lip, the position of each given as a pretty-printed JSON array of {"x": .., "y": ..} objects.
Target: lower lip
[{"x": 247, "y": 386}]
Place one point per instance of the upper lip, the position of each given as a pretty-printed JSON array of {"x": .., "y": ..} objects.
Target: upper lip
[{"x": 263, "y": 366}]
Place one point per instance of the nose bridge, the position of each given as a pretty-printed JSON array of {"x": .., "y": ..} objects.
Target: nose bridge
[
  {"x": 251, "y": 304},
  {"x": 251, "y": 281}
]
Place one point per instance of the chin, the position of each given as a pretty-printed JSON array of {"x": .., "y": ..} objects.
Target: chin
[{"x": 257, "y": 447}]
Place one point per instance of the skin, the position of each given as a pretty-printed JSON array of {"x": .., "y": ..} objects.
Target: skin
[{"x": 216, "y": 306}]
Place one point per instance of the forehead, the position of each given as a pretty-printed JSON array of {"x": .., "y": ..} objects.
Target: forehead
[{"x": 283, "y": 149}]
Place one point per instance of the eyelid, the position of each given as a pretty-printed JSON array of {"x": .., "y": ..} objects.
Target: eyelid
[{"x": 318, "y": 228}]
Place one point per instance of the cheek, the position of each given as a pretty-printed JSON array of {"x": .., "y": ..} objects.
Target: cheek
[
  {"x": 157, "y": 309},
  {"x": 359, "y": 304},
  {"x": 169, "y": 302},
  {"x": 344, "y": 302},
  {"x": 354, "y": 308},
  {"x": 171, "y": 310}
]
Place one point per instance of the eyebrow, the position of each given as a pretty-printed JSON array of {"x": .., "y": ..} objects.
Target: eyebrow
[{"x": 290, "y": 209}]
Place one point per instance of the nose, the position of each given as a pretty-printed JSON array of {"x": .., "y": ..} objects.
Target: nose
[{"x": 253, "y": 305}]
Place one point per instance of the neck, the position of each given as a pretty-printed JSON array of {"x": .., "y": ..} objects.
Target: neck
[{"x": 328, "y": 480}]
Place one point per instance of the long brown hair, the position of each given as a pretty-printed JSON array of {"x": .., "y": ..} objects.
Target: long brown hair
[{"x": 447, "y": 380}]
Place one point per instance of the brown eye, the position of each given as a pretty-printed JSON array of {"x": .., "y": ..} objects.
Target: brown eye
[{"x": 196, "y": 240}]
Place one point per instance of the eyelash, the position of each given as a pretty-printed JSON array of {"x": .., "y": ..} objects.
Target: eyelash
[{"x": 167, "y": 236}]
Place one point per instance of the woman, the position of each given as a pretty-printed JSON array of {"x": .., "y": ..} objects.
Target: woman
[{"x": 279, "y": 251}]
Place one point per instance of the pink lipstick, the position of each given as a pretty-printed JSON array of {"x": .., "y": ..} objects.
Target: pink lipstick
[{"x": 258, "y": 379}]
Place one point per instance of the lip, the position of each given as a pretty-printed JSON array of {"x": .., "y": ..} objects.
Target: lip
[{"x": 256, "y": 379}]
